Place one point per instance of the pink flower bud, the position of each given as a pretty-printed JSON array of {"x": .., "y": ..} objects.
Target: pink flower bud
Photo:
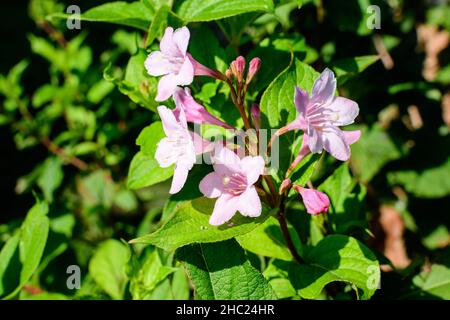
[
  {"x": 228, "y": 73},
  {"x": 240, "y": 66},
  {"x": 285, "y": 186},
  {"x": 255, "y": 113},
  {"x": 315, "y": 201},
  {"x": 255, "y": 64}
]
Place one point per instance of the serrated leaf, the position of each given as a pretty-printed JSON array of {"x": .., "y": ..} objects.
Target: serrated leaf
[
  {"x": 336, "y": 258},
  {"x": 189, "y": 224},
  {"x": 267, "y": 240},
  {"x": 277, "y": 103},
  {"x": 207, "y": 10},
  {"x": 221, "y": 270}
]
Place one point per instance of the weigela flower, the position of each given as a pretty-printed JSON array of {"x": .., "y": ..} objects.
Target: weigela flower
[
  {"x": 176, "y": 66},
  {"x": 194, "y": 111},
  {"x": 172, "y": 62},
  {"x": 232, "y": 183},
  {"x": 177, "y": 148},
  {"x": 321, "y": 115},
  {"x": 315, "y": 202}
]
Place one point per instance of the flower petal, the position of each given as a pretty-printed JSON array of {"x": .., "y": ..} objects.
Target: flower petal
[
  {"x": 179, "y": 178},
  {"x": 211, "y": 185},
  {"x": 164, "y": 153},
  {"x": 324, "y": 87},
  {"x": 344, "y": 111},
  {"x": 166, "y": 87},
  {"x": 351, "y": 136},
  {"x": 185, "y": 75},
  {"x": 301, "y": 100},
  {"x": 225, "y": 160},
  {"x": 224, "y": 209},
  {"x": 169, "y": 122},
  {"x": 157, "y": 64},
  {"x": 253, "y": 167},
  {"x": 315, "y": 140},
  {"x": 181, "y": 39},
  {"x": 334, "y": 143},
  {"x": 168, "y": 45},
  {"x": 249, "y": 203}
]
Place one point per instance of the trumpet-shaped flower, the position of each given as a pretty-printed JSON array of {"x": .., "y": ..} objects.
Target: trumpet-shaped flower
[
  {"x": 315, "y": 201},
  {"x": 321, "y": 115},
  {"x": 232, "y": 182},
  {"x": 194, "y": 111},
  {"x": 177, "y": 148},
  {"x": 172, "y": 62},
  {"x": 176, "y": 66}
]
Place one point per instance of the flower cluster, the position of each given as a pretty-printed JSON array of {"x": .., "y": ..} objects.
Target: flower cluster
[{"x": 237, "y": 181}]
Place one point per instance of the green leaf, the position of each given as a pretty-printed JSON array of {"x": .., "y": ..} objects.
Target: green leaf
[
  {"x": 345, "y": 68},
  {"x": 304, "y": 171},
  {"x": 439, "y": 15},
  {"x": 347, "y": 200},
  {"x": 373, "y": 151},
  {"x": 9, "y": 265},
  {"x": 207, "y": 10},
  {"x": 51, "y": 177},
  {"x": 429, "y": 183},
  {"x": 159, "y": 22},
  {"x": 189, "y": 224},
  {"x": 107, "y": 267},
  {"x": 222, "y": 271},
  {"x": 21, "y": 255},
  {"x": 134, "y": 14},
  {"x": 136, "y": 84},
  {"x": 433, "y": 284},
  {"x": 150, "y": 274},
  {"x": 267, "y": 240},
  {"x": 336, "y": 258},
  {"x": 144, "y": 169},
  {"x": 277, "y": 102}
]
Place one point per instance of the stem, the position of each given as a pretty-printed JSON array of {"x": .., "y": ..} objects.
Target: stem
[
  {"x": 52, "y": 147},
  {"x": 238, "y": 105},
  {"x": 287, "y": 237}
]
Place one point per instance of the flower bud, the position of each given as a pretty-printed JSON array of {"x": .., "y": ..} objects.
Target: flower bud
[
  {"x": 315, "y": 201},
  {"x": 240, "y": 66},
  {"x": 255, "y": 64},
  {"x": 228, "y": 73},
  {"x": 255, "y": 113},
  {"x": 285, "y": 186}
]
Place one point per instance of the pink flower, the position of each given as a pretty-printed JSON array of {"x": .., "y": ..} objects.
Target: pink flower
[
  {"x": 321, "y": 115},
  {"x": 176, "y": 148},
  {"x": 194, "y": 111},
  {"x": 315, "y": 201},
  {"x": 172, "y": 62},
  {"x": 176, "y": 66},
  {"x": 232, "y": 182}
]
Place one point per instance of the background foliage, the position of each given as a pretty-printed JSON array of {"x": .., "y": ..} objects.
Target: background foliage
[{"x": 79, "y": 131}]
